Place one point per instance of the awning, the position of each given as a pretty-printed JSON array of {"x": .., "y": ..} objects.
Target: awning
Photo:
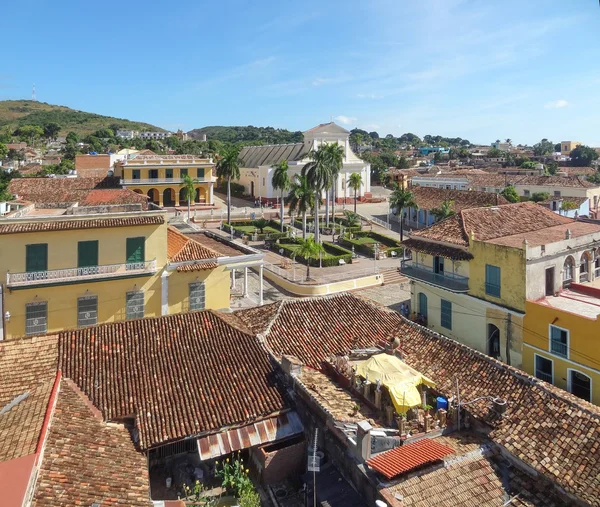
[
  {"x": 262, "y": 432},
  {"x": 400, "y": 379}
]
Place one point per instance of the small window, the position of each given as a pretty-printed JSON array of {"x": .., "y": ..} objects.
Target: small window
[
  {"x": 526, "y": 193},
  {"x": 135, "y": 174},
  {"x": 559, "y": 341},
  {"x": 580, "y": 385},
  {"x": 492, "y": 280},
  {"x": 87, "y": 254},
  {"x": 200, "y": 173},
  {"x": 36, "y": 257},
  {"x": 557, "y": 193},
  {"x": 169, "y": 174},
  {"x": 543, "y": 369},
  {"x": 36, "y": 318},
  {"x": 87, "y": 311},
  {"x": 197, "y": 296},
  {"x": 183, "y": 173},
  {"x": 135, "y": 305},
  {"x": 135, "y": 252},
  {"x": 446, "y": 314}
]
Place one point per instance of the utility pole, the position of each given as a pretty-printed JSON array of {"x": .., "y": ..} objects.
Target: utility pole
[{"x": 508, "y": 337}]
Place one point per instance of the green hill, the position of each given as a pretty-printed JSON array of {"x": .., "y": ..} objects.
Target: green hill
[
  {"x": 16, "y": 113},
  {"x": 249, "y": 134}
]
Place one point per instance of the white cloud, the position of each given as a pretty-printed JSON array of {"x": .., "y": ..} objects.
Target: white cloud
[
  {"x": 557, "y": 104},
  {"x": 345, "y": 120}
]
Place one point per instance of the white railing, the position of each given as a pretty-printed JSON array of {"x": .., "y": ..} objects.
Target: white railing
[
  {"x": 80, "y": 274},
  {"x": 376, "y": 221},
  {"x": 297, "y": 273},
  {"x": 165, "y": 181}
]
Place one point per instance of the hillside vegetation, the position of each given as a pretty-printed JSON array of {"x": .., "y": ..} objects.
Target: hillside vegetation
[
  {"x": 17, "y": 113},
  {"x": 248, "y": 135}
]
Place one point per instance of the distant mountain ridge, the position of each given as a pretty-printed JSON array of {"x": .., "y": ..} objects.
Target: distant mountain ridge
[
  {"x": 247, "y": 135},
  {"x": 16, "y": 113}
]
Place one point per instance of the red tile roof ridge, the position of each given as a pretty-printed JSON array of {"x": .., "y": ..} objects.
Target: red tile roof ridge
[{"x": 182, "y": 241}]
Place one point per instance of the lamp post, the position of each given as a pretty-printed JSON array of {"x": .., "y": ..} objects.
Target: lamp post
[{"x": 376, "y": 252}]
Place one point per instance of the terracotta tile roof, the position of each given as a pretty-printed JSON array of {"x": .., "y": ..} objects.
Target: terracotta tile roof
[
  {"x": 181, "y": 248},
  {"x": 180, "y": 375},
  {"x": 501, "y": 180},
  {"x": 103, "y": 196},
  {"x": 548, "y": 429},
  {"x": 430, "y": 248},
  {"x": 409, "y": 457},
  {"x": 77, "y": 224},
  {"x": 220, "y": 247},
  {"x": 430, "y": 198},
  {"x": 27, "y": 370},
  {"x": 577, "y": 200},
  {"x": 45, "y": 190},
  {"x": 549, "y": 235},
  {"x": 492, "y": 222},
  {"x": 87, "y": 461},
  {"x": 578, "y": 171}
]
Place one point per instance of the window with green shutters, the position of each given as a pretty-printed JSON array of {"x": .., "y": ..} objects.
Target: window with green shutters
[
  {"x": 183, "y": 172},
  {"x": 197, "y": 296},
  {"x": 87, "y": 311},
  {"x": 200, "y": 174},
  {"x": 169, "y": 174},
  {"x": 135, "y": 252},
  {"x": 87, "y": 254},
  {"x": 36, "y": 318},
  {"x": 446, "y": 315},
  {"x": 492, "y": 280},
  {"x": 36, "y": 257},
  {"x": 134, "y": 305},
  {"x": 135, "y": 174}
]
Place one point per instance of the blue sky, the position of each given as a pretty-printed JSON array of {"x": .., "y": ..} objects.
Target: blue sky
[{"x": 478, "y": 69}]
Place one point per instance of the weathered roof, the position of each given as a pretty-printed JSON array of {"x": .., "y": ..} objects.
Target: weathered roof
[
  {"x": 256, "y": 156},
  {"x": 113, "y": 196},
  {"x": 45, "y": 190},
  {"x": 87, "y": 461},
  {"x": 74, "y": 224},
  {"x": 329, "y": 127},
  {"x": 181, "y": 248},
  {"x": 220, "y": 246},
  {"x": 548, "y": 429},
  {"x": 494, "y": 222},
  {"x": 549, "y": 235},
  {"x": 430, "y": 198},
  {"x": 431, "y": 248},
  {"x": 180, "y": 375},
  {"x": 502, "y": 180}
]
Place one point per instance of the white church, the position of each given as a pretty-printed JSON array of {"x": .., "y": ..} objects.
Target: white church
[{"x": 256, "y": 174}]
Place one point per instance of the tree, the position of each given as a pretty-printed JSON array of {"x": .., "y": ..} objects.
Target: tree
[
  {"x": 3, "y": 151},
  {"x": 401, "y": 199},
  {"x": 308, "y": 249},
  {"x": 72, "y": 137},
  {"x": 551, "y": 168},
  {"x": 437, "y": 156},
  {"x": 228, "y": 167},
  {"x": 301, "y": 199},
  {"x": 464, "y": 153},
  {"x": 403, "y": 163},
  {"x": 594, "y": 178},
  {"x": 356, "y": 140},
  {"x": 189, "y": 191},
  {"x": 445, "y": 210},
  {"x": 51, "y": 130},
  {"x": 540, "y": 196},
  {"x": 495, "y": 153},
  {"x": 281, "y": 181},
  {"x": 335, "y": 161},
  {"x": 318, "y": 175},
  {"x": 557, "y": 148},
  {"x": 544, "y": 147},
  {"x": 260, "y": 224},
  {"x": 29, "y": 133},
  {"x": 508, "y": 141},
  {"x": 568, "y": 206},
  {"x": 528, "y": 164},
  {"x": 355, "y": 183},
  {"x": 352, "y": 219},
  {"x": 583, "y": 156},
  {"x": 510, "y": 194}
]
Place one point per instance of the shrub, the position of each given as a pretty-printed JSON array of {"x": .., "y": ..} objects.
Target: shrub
[
  {"x": 247, "y": 228},
  {"x": 333, "y": 253},
  {"x": 390, "y": 244}
]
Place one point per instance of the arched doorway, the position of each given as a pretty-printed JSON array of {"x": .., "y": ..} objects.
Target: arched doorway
[
  {"x": 493, "y": 341},
  {"x": 138, "y": 191},
  {"x": 597, "y": 263},
  {"x": 182, "y": 197},
  {"x": 200, "y": 195},
  {"x": 568, "y": 271},
  {"x": 169, "y": 197},
  {"x": 423, "y": 305},
  {"x": 584, "y": 270},
  {"x": 153, "y": 195}
]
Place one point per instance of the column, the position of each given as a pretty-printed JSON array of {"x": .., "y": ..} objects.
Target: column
[
  {"x": 245, "y": 282},
  {"x": 260, "y": 282},
  {"x": 176, "y": 196},
  {"x": 210, "y": 194},
  {"x": 160, "y": 197},
  {"x": 164, "y": 279},
  {"x": 233, "y": 279}
]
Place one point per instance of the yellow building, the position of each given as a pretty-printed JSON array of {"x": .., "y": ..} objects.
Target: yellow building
[
  {"x": 562, "y": 340},
  {"x": 566, "y": 147},
  {"x": 77, "y": 266},
  {"x": 160, "y": 177},
  {"x": 472, "y": 274}
]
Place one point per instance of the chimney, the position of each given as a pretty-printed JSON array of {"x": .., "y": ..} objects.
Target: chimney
[
  {"x": 363, "y": 439},
  {"x": 291, "y": 366},
  {"x": 525, "y": 243},
  {"x": 568, "y": 234}
]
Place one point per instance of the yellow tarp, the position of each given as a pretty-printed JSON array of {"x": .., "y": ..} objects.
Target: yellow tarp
[{"x": 400, "y": 379}]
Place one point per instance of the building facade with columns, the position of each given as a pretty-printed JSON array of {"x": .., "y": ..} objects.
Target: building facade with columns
[
  {"x": 160, "y": 177},
  {"x": 256, "y": 173}
]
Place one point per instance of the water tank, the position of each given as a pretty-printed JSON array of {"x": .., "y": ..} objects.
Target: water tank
[{"x": 441, "y": 403}]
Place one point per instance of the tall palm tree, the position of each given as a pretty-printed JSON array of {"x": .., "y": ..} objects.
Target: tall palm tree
[
  {"x": 228, "y": 167},
  {"x": 335, "y": 158},
  {"x": 301, "y": 199},
  {"x": 401, "y": 199},
  {"x": 281, "y": 181},
  {"x": 189, "y": 190},
  {"x": 445, "y": 210},
  {"x": 355, "y": 183},
  {"x": 318, "y": 176},
  {"x": 309, "y": 249}
]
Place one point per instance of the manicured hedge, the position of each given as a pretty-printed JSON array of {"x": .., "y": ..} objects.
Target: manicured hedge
[
  {"x": 260, "y": 237},
  {"x": 337, "y": 225},
  {"x": 390, "y": 244},
  {"x": 331, "y": 257}
]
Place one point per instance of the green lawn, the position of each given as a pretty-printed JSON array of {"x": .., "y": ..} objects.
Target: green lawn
[
  {"x": 249, "y": 229},
  {"x": 365, "y": 240}
]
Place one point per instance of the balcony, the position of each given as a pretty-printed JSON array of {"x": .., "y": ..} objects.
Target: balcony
[
  {"x": 559, "y": 348},
  {"x": 164, "y": 181},
  {"x": 450, "y": 281},
  {"x": 79, "y": 275}
]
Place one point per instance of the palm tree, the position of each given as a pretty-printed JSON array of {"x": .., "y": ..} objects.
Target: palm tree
[
  {"x": 335, "y": 157},
  {"x": 281, "y": 181},
  {"x": 228, "y": 167},
  {"x": 401, "y": 199},
  {"x": 309, "y": 249},
  {"x": 355, "y": 183},
  {"x": 444, "y": 211},
  {"x": 189, "y": 190},
  {"x": 301, "y": 199},
  {"x": 318, "y": 176}
]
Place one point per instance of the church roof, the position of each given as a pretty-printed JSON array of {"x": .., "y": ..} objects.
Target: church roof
[{"x": 256, "y": 156}]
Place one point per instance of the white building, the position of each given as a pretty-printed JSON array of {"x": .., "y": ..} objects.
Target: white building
[
  {"x": 257, "y": 169},
  {"x": 154, "y": 135},
  {"x": 127, "y": 134}
]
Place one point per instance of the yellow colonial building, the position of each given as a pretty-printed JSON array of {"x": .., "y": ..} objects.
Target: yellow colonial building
[
  {"x": 472, "y": 274},
  {"x": 160, "y": 177},
  {"x": 69, "y": 265}
]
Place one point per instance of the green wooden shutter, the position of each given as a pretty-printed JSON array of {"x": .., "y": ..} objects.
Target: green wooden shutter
[
  {"x": 87, "y": 254},
  {"x": 135, "y": 250},
  {"x": 36, "y": 257},
  {"x": 200, "y": 172}
]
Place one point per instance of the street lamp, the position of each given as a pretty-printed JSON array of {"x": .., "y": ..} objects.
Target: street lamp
[{"x": 376, "y": 252}]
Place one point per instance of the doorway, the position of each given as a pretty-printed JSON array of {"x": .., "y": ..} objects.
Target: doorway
[
  {"x": 550, "y": 281},
  {"x": 493, "y": 341},
  {"x": 580, "y": 385},
  {"x": 438, "y": 265},
  {"x": 252, "y": 189},
  {"x": 422, "y": 305}
]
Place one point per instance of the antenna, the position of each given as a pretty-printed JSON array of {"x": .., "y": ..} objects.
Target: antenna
[{"x": 33, "y": 93}]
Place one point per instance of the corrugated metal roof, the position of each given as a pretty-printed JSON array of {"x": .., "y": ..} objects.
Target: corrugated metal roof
[
  {"x": 408, "y": 457},
  {"x": 256, "y": 156},
  {"x": 262, "y": 432}
]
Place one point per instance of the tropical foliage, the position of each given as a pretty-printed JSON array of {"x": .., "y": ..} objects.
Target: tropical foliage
[
  {"x": 281, "y": 181},
  {"x": 301, "y": 199},
  {"x": 510, "y": 194},
  {"x": 228, "y": 168},
  {"x": 400, "y": 199},
  {"x": 355, "y": 183},
  {"x": 445, "y": 210},
  {"x": 308, "y": 248}
]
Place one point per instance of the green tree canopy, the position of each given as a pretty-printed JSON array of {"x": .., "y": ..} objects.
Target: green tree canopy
[
  {"x": 529, "y": 164},
  {"x": 540, "y": 196},
  {"x": 510, "y": 194},
  {"x": 3, "y": 151},
  {"x": 583, "y": 156},
  {"x": 51, "y": 130},
  {"x": 445, "y": 210},
  {"x": 544, "y": 147}
]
